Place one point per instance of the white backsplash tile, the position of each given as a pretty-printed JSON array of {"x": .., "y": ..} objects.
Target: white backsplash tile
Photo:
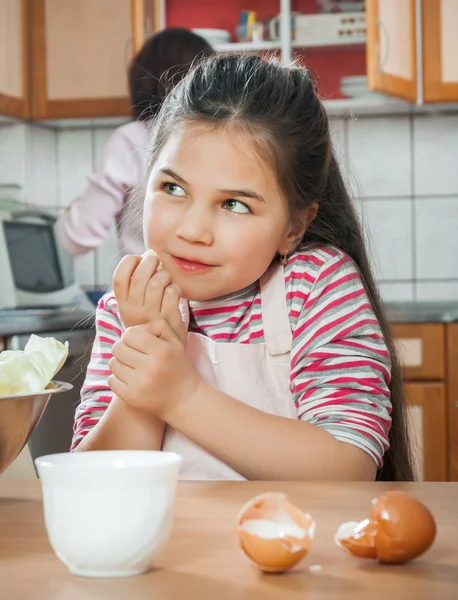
[
  {"x": 13, "y": 146},
  {"x": 388, "y": 228},
  {"x": 402, "y": 291},
  {"x": 436, "y": 238},
  {"x": 379, "y": 156},
  {"x": 437, "y": 291},
  {"x": 74, "y": 163},
  {"x": 106, "y": 259},
  {"x": 41, "y": 188},
  {"x": 436, "y": 154},
  {"x": 338, "y": 133},
  {"x": 85, "y": 269}
]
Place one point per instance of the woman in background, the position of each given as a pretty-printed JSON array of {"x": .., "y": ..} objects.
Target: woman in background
[{"x": 86, "y": 223}]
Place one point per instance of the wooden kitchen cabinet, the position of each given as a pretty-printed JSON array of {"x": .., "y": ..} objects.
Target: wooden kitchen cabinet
[
  {"x": 13, "y": 59},
  {"x": 147, "y": 19},
  {"x": 427, "y": 429},
  {"x": 423, "y": 350},
  {"x": 68, "y": 59},
  {"x": 412, "y": 48},
  {"x": 452, "y": 400}
]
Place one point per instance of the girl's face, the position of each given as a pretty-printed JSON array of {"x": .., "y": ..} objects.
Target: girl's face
[{"x": 213, "y": 212}]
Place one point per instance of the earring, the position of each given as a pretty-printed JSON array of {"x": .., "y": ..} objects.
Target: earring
[{"x": 284, "y": 260}]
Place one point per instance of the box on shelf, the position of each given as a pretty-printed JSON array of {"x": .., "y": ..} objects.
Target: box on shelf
[{"x": 330, "y": 26}]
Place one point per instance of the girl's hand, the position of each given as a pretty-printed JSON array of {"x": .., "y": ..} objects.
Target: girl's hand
[
  {"x": 144, "y": 293},
  {"x": 150, "y": 369}
]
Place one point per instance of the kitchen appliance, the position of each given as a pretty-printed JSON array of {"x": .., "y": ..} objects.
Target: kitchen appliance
[{"x": 34, "y": 270}]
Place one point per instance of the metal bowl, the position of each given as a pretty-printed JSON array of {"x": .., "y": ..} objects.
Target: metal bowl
[{"x": 19, "y": 415}]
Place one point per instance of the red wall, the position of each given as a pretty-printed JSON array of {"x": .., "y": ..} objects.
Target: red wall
[{"x": 328, "y": 65}]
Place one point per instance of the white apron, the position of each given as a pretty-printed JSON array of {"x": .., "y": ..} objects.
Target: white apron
[{"x": 256, "y": 374}]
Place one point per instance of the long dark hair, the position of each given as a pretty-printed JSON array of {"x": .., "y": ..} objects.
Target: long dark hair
[
  {"x": 162, "y": 61},
  {"x": 280, "y": 107}
]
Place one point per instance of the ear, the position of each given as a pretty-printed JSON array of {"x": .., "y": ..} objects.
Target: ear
[{"x": 299, "y": 224}]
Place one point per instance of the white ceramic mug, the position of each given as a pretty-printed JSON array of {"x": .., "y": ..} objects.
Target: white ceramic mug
[{"x": 110, "y": 513}]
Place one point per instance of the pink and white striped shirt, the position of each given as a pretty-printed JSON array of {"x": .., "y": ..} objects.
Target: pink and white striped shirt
[{"x": 340, "y": 366}]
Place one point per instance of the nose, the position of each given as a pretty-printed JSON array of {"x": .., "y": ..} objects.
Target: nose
[{"x": 196, "y": 227}]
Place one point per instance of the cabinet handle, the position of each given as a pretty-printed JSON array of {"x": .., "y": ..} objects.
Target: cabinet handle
[
  {"x": 410, "y": 351},
  {"x": 382, "y": 28}
]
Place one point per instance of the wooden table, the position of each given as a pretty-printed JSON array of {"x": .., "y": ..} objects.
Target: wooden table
[{"x": 201, "y": 561}]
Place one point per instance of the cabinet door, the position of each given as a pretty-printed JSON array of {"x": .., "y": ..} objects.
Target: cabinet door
[
  {"x": 147, "y": 19},
  {"x": 440, "y": 50},
  {"x": 391, "y": 47},
  {"x": 13, "y": 57},
  {"x": 421, "y": 350},
  {"x": 80, "y": 54},
  {"x": 426, "y": 422},
  {"x": 452, "y": 400}
]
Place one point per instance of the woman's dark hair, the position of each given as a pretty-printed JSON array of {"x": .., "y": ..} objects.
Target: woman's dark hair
[
  {"x": 279, "y": 106},
  {"x": 163, "y": 60}
]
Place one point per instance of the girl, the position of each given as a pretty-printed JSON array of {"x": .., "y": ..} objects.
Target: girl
[
  {"x": 88, "y": 220},
  {"x": 279, "y": 364}
]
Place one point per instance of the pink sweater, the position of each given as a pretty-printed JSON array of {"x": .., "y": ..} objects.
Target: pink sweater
[{"x": 109, "y": 197}]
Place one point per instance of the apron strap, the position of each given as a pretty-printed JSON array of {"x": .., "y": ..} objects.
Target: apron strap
[
  {"x": 184, "y": 310},
  {"x": 275, "y": 316}
]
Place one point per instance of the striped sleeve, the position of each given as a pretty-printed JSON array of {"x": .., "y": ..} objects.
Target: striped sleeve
[
  {"x": 95, "y": 393},
  {"x": 340, "y": 366}
]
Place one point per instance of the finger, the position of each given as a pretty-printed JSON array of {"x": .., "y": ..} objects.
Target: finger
[
  {"x": 126, "y": 355},
  {"x": 121, "y": 371},
  {"x": 122, "y": 276},
  {"x": 161, "y": 330},
  {"x": 155, "y": 292},
  {"x": 141, "y": 277},
  {"x": 119, "y": 388},
  {"x": 170, "y": 309},
  {"x": 140, "y": 339},
  {"x": 150, "y": 337}
]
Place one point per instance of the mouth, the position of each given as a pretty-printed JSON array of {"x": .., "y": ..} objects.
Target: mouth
[{"x": 191, "y": 264}]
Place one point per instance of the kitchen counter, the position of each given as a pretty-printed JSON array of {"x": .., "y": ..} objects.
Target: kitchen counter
[
  {"x": 422, "y": 312},
  {"x": 202, "y": 560},
  {"x": 27, "y": 321}
]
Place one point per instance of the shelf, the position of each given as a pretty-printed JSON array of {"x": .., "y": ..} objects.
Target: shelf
[
  {"x": 276, "y": 45},
  {"x": 379, "y": 105}
]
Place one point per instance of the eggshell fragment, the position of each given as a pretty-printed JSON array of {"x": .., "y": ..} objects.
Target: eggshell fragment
[
  {"x": 399, "y": 529},
  {"x": 273, "y": 534},
  {"x": 151, "y": 252}
]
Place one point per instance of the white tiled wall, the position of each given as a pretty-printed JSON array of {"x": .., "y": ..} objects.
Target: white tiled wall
[
  {"x": 51, "y": 166},
  {"x": 403, "y": 171}
]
